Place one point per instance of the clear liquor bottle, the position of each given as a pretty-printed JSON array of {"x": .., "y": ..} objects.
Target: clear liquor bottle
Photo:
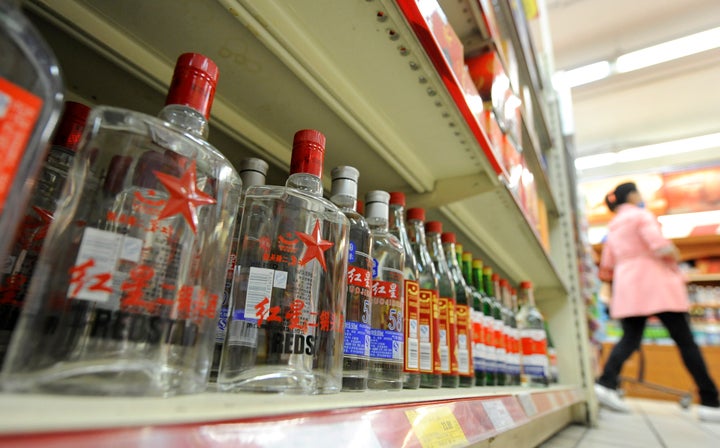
[
  {"x": 20, "y": 262},
  {"x": 448, "y": 320},
  {"x": 252, "y": 172},
  {"x": 125, "y": 296},
  {"x": 463, "y": 298},
  {"x": 386, "y": 324},
  {"x": 359, "y": 280},
  {"x": 533, "y": 339},
  {"x": 482, "y": 280},
  {"x": 493, "y": 289},
  {"x": 285, "y": 326},
  {"x": 411, "y": 364},
  {"x": 429, "y": 314},
  {"x": 31, "y": 94},
  {"x": 477, "y": 318}
]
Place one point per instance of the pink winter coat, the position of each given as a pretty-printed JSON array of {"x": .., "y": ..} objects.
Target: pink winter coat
[{"x": 643, "y": 282}]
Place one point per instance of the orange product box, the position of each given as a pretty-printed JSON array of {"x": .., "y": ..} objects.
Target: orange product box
[
  {"x": 512, "y": 160},
  {"x": 484, "y": 69},
  {"x": 494, "y": 133},
  {"x": 448, "y": 40}
]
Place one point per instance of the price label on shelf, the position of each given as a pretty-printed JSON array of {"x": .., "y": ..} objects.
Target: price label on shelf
[
  {"x": 498, "y": 413},
  {"x": 527, "y": 403},
  {"x": 436, "y": 427}
]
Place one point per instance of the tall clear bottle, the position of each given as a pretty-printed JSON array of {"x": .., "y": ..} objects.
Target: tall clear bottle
[
  {"x": 429, "y": 317},
  {"x": 477, "y": 319},
  {"x": 31, "y": 94},
  {"x": 252, "y": 172},
  {"x": 386, "y": 325},
  {"x": 448, "y": 320},
  {"x": 512, "y": 340},
  {"x": 411, "y": 364},
  {"x": 20, "y": 263},
  {"x": 285, "y": 327},
  {"x": 126, "y": 291},
  {"x": 359, "y": 280},
  {"x": 463, "y": 305},
  {"x": 493, "y": 289},
  {"x": 533, "y": 339}
]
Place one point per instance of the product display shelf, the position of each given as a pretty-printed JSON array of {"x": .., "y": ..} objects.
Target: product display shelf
[
  {"x": 701, "y": 278},
  {"x": 291, "y": 65},
  {"x": 374, "y": 418},
  {"x": 466, "y": 18}
]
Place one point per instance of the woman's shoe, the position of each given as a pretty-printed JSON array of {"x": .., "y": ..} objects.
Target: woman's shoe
[
  {"x": 709, "y": 414},
  {"x": 610, "y": 399}
]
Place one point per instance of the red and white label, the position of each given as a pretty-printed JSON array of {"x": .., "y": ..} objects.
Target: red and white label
[{"x": 19, "y": 111}]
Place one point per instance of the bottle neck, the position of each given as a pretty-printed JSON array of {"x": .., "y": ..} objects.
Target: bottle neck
[
  {"x": 186, "y": 119},
  {"x": 487, "y": 282},
  {"x": 528, "y": 297},
  {"x": 451, "y": 256},
  {"x": 416, "y": 233},
  {"x": 345, "y": 202},
  {"x": 435, "y": 247},
  {"x": 378, "y": 225},
  {"x": 467, "y": 273},
  {"x": 477, "y": 280},
  {"x": 305, "y": 182}
]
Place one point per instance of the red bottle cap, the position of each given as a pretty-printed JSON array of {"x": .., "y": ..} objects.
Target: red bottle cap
[
  {"x": 495, "y": 277},
  {"x": 525, "y": 285},
  {"x": 416, "y": 213},
  {"x": 72, "y": 123},
  {"x": 193, "y": 83},
  {"x": 433, "y": 227},
  {"x": 308, "y": 152},
  {"x": 504, "y": 282},
  {"x": 360, "y": 207},
  {"x": 448, "y": 237},
  {"x": 397, "y": 198}
]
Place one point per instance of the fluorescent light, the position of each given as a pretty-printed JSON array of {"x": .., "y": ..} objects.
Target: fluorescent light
[
  {"x": 667, "y": 51},
  {"x": 583, "y": 75},
  {"x": 645, "y": 152},
  {"x": 669, "y": 148},
  {"x": 596, "y": 161}
]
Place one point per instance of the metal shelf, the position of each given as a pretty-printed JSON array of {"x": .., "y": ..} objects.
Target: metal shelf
[
  {"x": 357, "y": 71},
  {"x": 373, "y": 418}
]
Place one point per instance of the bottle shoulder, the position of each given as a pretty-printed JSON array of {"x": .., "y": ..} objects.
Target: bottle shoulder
[{"x": 285, "y": 199}]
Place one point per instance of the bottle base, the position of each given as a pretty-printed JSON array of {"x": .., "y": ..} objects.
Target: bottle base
[
  {"x": 269, "y": 379},
  {"x": 381, "y": 384},
  {"x": 354, "y": 383},
  {"x": 430, "y": 381},
  {"x": 450, "y": 381},
  {"x": 467, "y": 381},
  {"x": 411, "y": 380}
]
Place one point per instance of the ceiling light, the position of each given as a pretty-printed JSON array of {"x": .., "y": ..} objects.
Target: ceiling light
[
  {"x": 583, "y": 75},
  {"x": 667, "y": 51},
  {"x": 596, "y": 161},
  {"x": 669, "y": 148}
]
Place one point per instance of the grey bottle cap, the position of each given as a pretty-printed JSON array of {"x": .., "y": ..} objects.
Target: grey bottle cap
[
  {"x": 253, "y": 172},
  {"x": 344, "y": 181},
  {"x": 376, "y": 204}
]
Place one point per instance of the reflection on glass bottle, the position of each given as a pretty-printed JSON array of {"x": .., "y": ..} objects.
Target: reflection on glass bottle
[
  {"x": 386, "y": 325},
  {"x": 533, "y": 339},
  {"x": 286, "y": 321}
]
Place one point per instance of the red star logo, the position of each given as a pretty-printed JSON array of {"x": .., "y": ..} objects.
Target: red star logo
[
  {"x": 315, "y": 246},
  {"x": 184, "y": 196}
]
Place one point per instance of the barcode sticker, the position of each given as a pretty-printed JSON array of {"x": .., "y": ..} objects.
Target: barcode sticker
[
  {"x": 260, "y": 284},
  {"x": 242, "y": 332},
  {"x": 412, "y": 352},
  {"x": 280, "y": 280},
  {"x": 464, "y": 361},
  {"x": 426, "y": 361}
]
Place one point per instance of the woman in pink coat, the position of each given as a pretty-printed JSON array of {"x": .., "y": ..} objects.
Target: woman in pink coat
[{"x": 646, "y": 281}]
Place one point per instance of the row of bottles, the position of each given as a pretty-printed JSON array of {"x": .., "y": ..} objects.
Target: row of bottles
[{"x": 158, "y": 266}]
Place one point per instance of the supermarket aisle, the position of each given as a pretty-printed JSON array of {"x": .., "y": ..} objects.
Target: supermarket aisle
[{"x": 662, "y": 424}]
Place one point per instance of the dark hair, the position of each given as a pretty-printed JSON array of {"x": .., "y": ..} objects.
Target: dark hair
[{"x": 620, "y": 195}]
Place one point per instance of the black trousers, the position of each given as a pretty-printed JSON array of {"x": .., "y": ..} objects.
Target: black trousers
[{"x": 678, "y": 326}]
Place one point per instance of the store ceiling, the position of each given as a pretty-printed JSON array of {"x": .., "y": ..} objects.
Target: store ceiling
[{"x": 664, "y": 102}]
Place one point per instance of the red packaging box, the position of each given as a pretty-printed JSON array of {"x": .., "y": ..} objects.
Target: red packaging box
[{"x": 448, "y": 41}]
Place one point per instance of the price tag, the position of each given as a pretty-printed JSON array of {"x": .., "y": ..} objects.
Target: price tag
[
  {"x": 527, "y": 404},
  {"x": 436, "y": 427},
  {"x": 498, "y": 413}
]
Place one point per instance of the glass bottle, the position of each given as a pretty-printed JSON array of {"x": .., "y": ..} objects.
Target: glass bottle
[
  {"x": 482, "y": 279},
  {"x": 20, "y": 262},
  {"x": 430, "y": 375},
  {"x": 477, "y": 318},
  {"x": 125, "y": 296},
  {"x": 411, "y": 287},
  {"x": 533, "y": 339},
  {"x": 359, "y": 280},
  {"x": 493, "y": 290},
  {"x": 463, "y": 298},
  {"x": 252, "y": 172},
  {"x": 285, "y": 328},
  {"x": 31, "y": 94},
  {"x": 448, "y": 321},
  {"x": 386, "y": 324},
  {"x": 512, "y": 365}
]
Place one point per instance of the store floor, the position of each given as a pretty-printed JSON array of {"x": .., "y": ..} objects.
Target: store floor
[{"x": 662, "y": 424}]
